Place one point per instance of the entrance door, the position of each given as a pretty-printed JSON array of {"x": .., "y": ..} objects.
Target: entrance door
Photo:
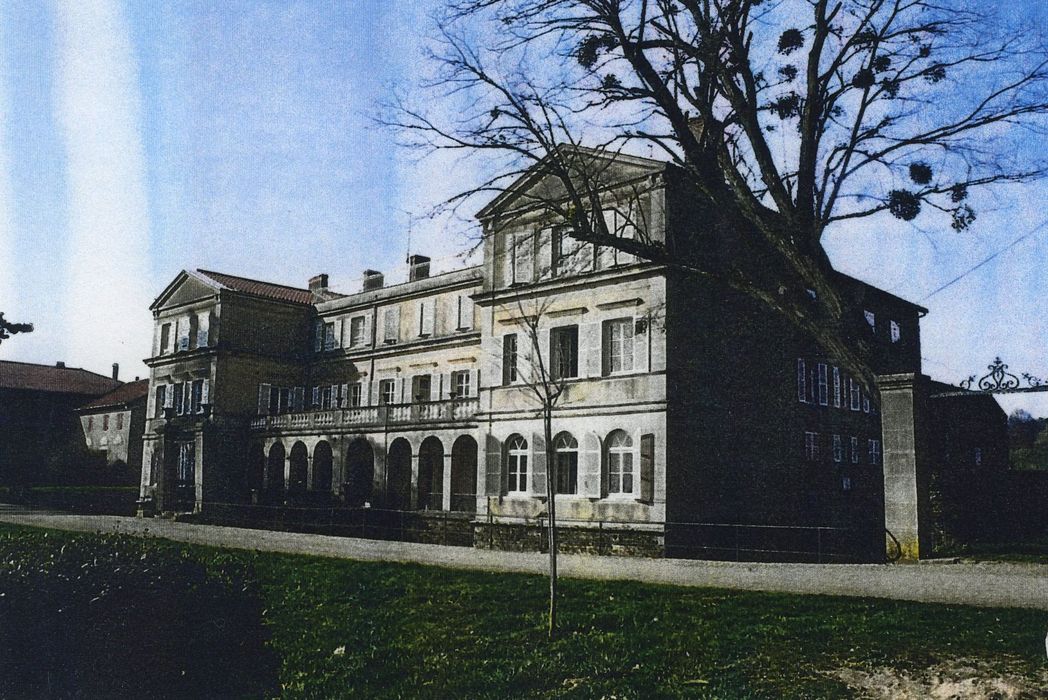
[{"x": 185, "y": 474}]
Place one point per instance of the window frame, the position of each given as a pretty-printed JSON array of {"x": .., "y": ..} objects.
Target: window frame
[
  {"x": 387, "y": 389},
  {"x": 510, "y": 352},
  {"x": 517, "y": 465},
  {"x": 566, "y": 449},
  {"x": 624, "y": 343},
  {"x": 559, "y": 368},
  {"x": 624, "y": 469}
]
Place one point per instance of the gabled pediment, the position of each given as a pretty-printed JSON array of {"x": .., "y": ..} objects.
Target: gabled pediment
[
  {"x": 589, "y": 169},
  {"x": 186, "y": 288}
]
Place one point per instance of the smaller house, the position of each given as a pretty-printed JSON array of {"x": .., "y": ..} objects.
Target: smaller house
[{"x": 113, "y": 424}]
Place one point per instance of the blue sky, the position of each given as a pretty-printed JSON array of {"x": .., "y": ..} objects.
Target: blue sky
[{"x": 138, "y": 139}]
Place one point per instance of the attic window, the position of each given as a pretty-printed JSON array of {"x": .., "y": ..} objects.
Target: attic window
[{"x": 871, "y": 319}]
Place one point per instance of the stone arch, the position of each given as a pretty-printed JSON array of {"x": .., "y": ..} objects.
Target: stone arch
[
  {"x": 275, "y": 467},
  {"x": 323, "y": 463},
  {"x": 299, "y": 472},
  {"x": 431, "y": 474},
  {"x": 398, "y": 475},
  {"x": 464, "y": 474},
  {"x": 359, "y": 472},
  {"x": 255, "y": 478}
]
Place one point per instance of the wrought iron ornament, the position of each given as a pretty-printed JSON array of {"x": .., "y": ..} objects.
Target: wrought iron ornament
[{"x": 1000, "y": 379}]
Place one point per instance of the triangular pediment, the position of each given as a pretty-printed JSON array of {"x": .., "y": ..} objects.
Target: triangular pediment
[
  {"x": 590, "y": 169},
  {"x": 186, "y": 288}
]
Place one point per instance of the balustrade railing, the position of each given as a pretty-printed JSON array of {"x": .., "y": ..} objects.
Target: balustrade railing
[{"x": 388, "y": 414}]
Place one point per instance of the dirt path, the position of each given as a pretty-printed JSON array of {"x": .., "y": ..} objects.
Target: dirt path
[{"x": 982, "y": 584}]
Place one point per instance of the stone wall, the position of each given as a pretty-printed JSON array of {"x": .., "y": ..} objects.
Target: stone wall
[{"x": 533, "y": 537}]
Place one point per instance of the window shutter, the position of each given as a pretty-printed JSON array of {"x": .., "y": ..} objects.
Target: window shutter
[
  {"x": 298, "y": 398},
  {"x": 537, "y": 464},
  {"x": 589, "y": 466},
  {"x": 316, "y": 397},
  {"x": 203, "y": 326},
  {"x": 641, "y": 334},
  {"x": 340, "y": 331},
  {"x": 531, "y": 369},
  {"x": 263, "y": 399},
  {"x": 428, "y": 311},
  {"x": 524, "y": 265},
  {"x": 205, "y": 391},
  {"x": 466, "y": 312},
  {"x": 448, "y": 379},
  {"x": 398, "y": 390},
  {"x": 495, "y": 474},
  {"x": 169, "y": 396},
  {"x": 647, "y": 468},
  {"x": 434, "y": 387},
  {"x": 367, "y": 331},
  {"x": 391, "y": 322},
  {"x": 590, "y": 349},
  {"x": 495, "y": 359},
  {"x": 802, "y": 377},
  {"x": 344, "y": 403}
]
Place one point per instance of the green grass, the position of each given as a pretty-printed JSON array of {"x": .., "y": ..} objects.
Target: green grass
[{"x": 415, "y": 631}]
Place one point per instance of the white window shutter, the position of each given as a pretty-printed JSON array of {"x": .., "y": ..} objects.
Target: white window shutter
[
  {"x": 398, "y": 390},
  {"x": 641, "y": 335},
  {"x": 590, "y": 349},
  {"x": 589, "y": 466},
  {"x": 169, "y": 396},
  {"x": 205, "y": 392},
  {"x": 447, "y": 378},
  {"x": 474, "y": 378},
  {"x": 367, "y": 330},
  {"x": 537, "y": 464},
  {"x": 340, "y": 329},
  {"x": 532, "y": 368},
  {"x": 494, "y": 471},
  {"x": 434, "y": 387},
  {"x": 263, "y": 399},
  {"x": 428, "y": 316},
  {"x": 345, "y": 396}
]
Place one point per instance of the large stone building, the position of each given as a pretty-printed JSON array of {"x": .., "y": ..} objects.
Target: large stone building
[
  {"x": 113, "y": 425},
  {"x": 681, "y": 405}
]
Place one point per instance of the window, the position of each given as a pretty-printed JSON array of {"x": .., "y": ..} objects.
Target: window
[
  {"x": 509, "y": 358},
  {"x": 329, "y": 336},
  {"x": 120, "y": 421},
  {"x": 196, "y": 396},
  {"x": 620, "y": 224},
  {"x": 274, "y": 400},
  {"x": 895, "y": 332},
  {"x": 182, "y": 328},
  {"x": 161, "y": 400},
  {"x": 517, "y": 464},
  {"x": 356, "y": 331},
  {"x": 865, "y": 403},
  {"x": 176, "y": 399},
  {"x": 855, "y": 450},
  {"x": 90, "y": 422},
  {"x": 618, "y": 345},
  {"x": 318, "y": 336},
  {"x": 355, "y": 394},
  {"x": 284, "y": 400},
  {"x": 387, "y": 391},
  {"x": 421, "y": 386},
  {"x": 838, "y": 449},
  {"x": 566, "y": 449},
  {"x": 855, "y": 391},
  {"x": 823, "y": 386},
  {"x": 836, "y": 387},
  {"x": 977, "y": 456},
  {"x": 802, "y": 381},
  {"x": 811, "y": 446},
  {"x": 874, "y": 449},
  {"x": 203, "y": 323},
  {"x": 460, "y": 384},
  {"x": 564, "y": 352},
  {"x": 165, "y": 338},
  {"x": 620, "y": 463},
  {"x": 871, "y": 319},
  {"x": 556, "y": 261},
  {"x": 325, "y": 397}
]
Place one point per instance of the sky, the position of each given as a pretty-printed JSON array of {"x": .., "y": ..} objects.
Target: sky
[{"x": 138, "y": 139}]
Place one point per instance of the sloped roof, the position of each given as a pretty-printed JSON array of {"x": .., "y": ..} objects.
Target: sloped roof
[
  {"x": 122, "y": 395},
  {"x": 59, "y": 380},
  {"x": 265, "y": 290}
]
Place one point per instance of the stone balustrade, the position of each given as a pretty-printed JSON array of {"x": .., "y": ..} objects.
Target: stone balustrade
[{"x": 456, "y": 410}]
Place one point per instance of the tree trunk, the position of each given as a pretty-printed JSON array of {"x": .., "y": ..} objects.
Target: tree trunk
[{"x": 551, "y": 475}]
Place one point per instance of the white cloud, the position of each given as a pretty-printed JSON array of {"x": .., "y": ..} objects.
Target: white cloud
[{"x": 98, "y": 114}]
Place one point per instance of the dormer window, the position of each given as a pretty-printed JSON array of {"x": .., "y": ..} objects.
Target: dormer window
[
  {"x": 871, "y": 319},
  {"x": 895, "y": 335}
]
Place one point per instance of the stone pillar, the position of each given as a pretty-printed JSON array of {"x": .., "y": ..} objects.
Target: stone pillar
[
  {"x": 414, "y": 481},
  {"x": 903, "y": 428},
  {"x": 446, "y": 496}
]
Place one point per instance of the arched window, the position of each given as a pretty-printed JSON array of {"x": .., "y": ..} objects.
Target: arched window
[
  {"x": 517, "y": 462},
  {"x": 620, "y": 462},
  {"x": 567, "y": 450}
]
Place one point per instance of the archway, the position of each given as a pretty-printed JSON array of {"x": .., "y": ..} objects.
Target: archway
[
  {"x": 464, "y": 474},
  {"x": 255, "y": 478},
  {"x": 275, "y": 468},
  {"x": 322, "y": 467},
  {"x": 431, "y": 474},
  {"x": 360, "y": 472},
  {"x": 299, "y": 475},
  {"x": 398, "y": 475}
]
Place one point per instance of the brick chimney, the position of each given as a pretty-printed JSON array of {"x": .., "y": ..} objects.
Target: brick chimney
[
  {"x": 116, "y": 371},
  {"x": 418, "y": 266},
  {"x": 60, "y": 365},
  {"x": 373, "y": 279},
  {"x": 318, "y": 284}
]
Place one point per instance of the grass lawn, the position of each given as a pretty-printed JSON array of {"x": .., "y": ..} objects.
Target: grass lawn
[{"x": 355, "y": 629}]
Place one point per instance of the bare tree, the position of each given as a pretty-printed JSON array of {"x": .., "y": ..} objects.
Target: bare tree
[
  {"x": 7, "y": 329},
  {"x": 789, "y": 117}
]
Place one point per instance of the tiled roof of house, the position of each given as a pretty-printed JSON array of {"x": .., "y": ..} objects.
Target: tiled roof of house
[
  {"x": 266, "y": 290},
  {"x": 121, "y": 396},
  {"x": 60, "y": 380}
]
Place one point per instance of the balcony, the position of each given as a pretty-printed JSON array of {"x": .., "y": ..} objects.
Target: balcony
[{"x": 454, "y": 411}]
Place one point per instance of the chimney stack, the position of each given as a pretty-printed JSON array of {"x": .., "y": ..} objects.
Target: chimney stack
[
  {"x": 116, "y": 371},
  {"x": 318, "y": 284},
  {"x": 60, "y": 365},
  {"x": 372, "y": 280},
  {"x": 418, "y": 267}
]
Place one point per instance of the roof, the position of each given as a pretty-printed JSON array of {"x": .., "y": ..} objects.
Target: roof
[
  {"x": 50, "y": 378},
  {"x": 857, "y": 285},
  {"x": 256, "y": 288},
  {"x": 121, "y": 396}
]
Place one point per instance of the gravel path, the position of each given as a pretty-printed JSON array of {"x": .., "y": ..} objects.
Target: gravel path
[{"x": 982, "y": 584}]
